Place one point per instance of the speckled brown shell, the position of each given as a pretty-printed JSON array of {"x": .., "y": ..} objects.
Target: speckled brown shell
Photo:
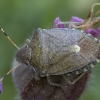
[{"x": 50, "y": 55}]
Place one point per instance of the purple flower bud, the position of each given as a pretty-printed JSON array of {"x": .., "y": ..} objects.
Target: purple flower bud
[
  {"x": 1, "y": 87},
  {"x": 56, "y": 21},
  {"x": 76, "y": 19},
  {"x": 94, "y": 32},
  {"x": 98, "y": 30},
  {"x": 32, "y": 88}
]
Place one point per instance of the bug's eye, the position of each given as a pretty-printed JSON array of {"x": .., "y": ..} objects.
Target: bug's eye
[
  {"x": 26, "y": 46},
  {"x": 27, "y": 63}
]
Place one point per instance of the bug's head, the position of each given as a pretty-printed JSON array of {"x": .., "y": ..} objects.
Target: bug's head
[{"x": 24, "y": 55}]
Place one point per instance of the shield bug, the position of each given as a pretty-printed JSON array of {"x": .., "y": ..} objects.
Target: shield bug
[{"x": 61, "y": 51}]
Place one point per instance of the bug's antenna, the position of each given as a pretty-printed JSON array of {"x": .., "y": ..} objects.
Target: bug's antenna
[
  {"x": 8, "y": 73},
  {"x": 8, "y": 37}
]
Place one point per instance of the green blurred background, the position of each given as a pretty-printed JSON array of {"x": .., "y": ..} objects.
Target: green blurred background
[{"x": 20, "y": 18}]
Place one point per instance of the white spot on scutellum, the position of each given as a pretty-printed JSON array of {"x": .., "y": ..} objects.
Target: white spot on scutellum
[
  {"x": 75, "y": 48},
  {"x": 95, "y": 39}
]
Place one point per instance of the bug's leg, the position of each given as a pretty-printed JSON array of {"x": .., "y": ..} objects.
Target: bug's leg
[
  {"x": 35, "y": 70},
  {"x": 51, "y": 83},
  {"x": 74, "y": 81},
  {"x": 49, "y": 80}
]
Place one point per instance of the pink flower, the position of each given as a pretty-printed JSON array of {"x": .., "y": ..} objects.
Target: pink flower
[
  {"x": 76, "y": 19},
  {"x": 56, "y": 21},
  {"x": 94, "y": 32}
]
